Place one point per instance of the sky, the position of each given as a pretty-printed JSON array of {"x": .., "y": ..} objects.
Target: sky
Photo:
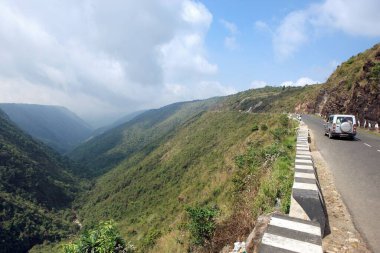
[{"x": 105, "y": 59}]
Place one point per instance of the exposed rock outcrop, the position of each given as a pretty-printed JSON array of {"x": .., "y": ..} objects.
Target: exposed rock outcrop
[{"x": 354, "y": 88}]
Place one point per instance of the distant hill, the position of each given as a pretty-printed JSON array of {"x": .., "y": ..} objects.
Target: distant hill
[
  {"x": 36, "y": 191},
  {"x": 105, "y": 151},
  {"x": 56, "y": 126},
  {"x": 117, "y": 123},
  {"x": 102, "y": 153}
]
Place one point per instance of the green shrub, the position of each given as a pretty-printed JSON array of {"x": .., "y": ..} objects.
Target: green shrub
[
  {"x": 201, "y": 223},
  {"x": 351, "y": 60},
  {"x": 240, "y": 161},
  {"x": 277, "y": 133},
  {"x": 284, "y": 120},
  {"x": 255, "y": 127},
  {"x": 375, "y": 71},
  {"x": 150, "y": 238},
  {"x": 263, "y": 127},
  {"x": 102, "y": 239},
  {"x": 277, "y": 186}
]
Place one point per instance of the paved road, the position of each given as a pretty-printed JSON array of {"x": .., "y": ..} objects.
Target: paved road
[{"x": 356, "y": 169}]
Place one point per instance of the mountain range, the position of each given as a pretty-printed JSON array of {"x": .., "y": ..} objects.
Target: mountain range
[
  {"x": 56, "y": 126},
  {"x": 230, "y": 154}
]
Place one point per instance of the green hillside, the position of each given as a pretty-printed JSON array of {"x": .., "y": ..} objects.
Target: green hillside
[
  {"x": 149, "y": 129},
  {"x": 117, "y": 123},
  {"x": 35, "y": 191},
  {"x": 203, "y": 163},
  {"x": 145, "y": 131},
  {"x": 199, "y": 153},
  {"x": 270, "y": 99},
  {"x": 56, "y": 126}
]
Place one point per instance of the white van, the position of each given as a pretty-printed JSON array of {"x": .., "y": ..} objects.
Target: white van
[{"x": 340, "y": 125}]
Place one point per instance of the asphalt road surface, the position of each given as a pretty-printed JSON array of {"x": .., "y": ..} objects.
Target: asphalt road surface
[{"x": 355, "y": 165}]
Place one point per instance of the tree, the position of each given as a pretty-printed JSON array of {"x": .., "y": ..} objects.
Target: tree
[
  {"x": 201, "y": 223},
  {"x": 104, "y": 238}
]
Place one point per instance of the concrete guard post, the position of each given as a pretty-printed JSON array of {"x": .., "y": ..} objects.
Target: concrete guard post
[
  {"x": 288, "y": 234},
  {"x": 307, "y": 200},
  {"x": 303, "y": 229}
]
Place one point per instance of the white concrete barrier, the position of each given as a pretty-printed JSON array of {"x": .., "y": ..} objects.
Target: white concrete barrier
[
  {"x": 287, "y": 234},
  {"x": 303, "y": 229},
  {"x": 307, "y": 200}
]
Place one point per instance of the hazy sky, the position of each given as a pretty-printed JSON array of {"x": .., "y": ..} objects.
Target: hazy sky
[{"x": 102, "y": 59}]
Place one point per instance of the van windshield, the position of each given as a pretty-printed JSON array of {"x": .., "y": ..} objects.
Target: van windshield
[{"x": 340, "y": 120}]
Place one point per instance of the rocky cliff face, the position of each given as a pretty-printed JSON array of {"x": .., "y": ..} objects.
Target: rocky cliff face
[{"x": 354, "y": 88}]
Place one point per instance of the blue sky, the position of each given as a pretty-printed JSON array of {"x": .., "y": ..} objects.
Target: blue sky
[
  {"x": 253, "y": 60},
  {"x": 104, "y": 59}
]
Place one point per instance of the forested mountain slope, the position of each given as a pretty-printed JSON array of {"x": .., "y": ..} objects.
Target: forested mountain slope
[
  {"x": 145, "y": 131},
  {"x": 35, "y": 191},
  {"x": 116, "y": 123},
  {"x": 148, "y": 129},
  {"x": 56, "y": 126}
]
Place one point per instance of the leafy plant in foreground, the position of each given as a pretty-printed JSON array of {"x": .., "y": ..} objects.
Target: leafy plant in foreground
[
  {"x": 255, "y": 127},
  {"x": 102, "y": 239},
  {"x": 201, "y": 223}
]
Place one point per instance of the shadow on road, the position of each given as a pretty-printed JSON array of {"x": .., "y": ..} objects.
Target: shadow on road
[{"x": 346, "y": 139}]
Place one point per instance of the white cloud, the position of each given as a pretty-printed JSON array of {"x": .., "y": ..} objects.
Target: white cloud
[
  {"x": 231, "y": 27},
  {"x": 230, "y": 41},
  {"x": 258, "y": 84},
  {"x": 262, "y": 26},
  {"x": 182, "y": 56},
  {"x": 290, "y": 34},
  {"x": 353, "y": 17},
  {"x": 201, "y": 90},
  {"x": 357, "y": 18},
  {"x": 100, "y": 59},
  {"x": 20, "y": 90},
  {"x": 300, "y": 82},
  {"x": 196, "y": 13}
]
